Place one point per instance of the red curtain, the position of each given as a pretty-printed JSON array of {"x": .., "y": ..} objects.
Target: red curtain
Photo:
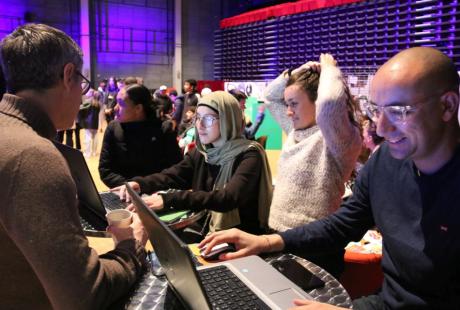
[{"x": 281, "y": 10}]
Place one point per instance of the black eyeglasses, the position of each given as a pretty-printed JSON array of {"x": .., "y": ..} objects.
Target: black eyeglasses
[{"x": 85, "y": 83}]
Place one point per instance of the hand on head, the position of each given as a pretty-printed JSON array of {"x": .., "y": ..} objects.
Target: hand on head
[
  {"x": 312, "y": 65},
  {"x": 324, "y": 60},
  {"x": 327, "y": 60},
  {"x": 245, "y": 244}
]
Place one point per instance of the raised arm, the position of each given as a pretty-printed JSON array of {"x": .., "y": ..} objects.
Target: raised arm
[
  {"x": 340, "y": 134},
  {"x": 250, "y": 132},
  {"x": 274, "y": 100}
]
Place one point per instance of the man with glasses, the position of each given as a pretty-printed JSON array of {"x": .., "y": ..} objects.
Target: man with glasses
[
  {"x": 46, "y": 261},
  {"x": 408, "y": 189}
]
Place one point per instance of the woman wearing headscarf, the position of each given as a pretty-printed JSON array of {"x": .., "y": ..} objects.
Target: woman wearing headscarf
[{"x": 225, "y": 174}]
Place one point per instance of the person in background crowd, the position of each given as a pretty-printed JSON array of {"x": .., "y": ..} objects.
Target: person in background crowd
[
  {"x": 408, "y": 189},
  {"x": 371, "y": 141},
  {"x": 121, "y": 82},
  {"x": 139, "y": 80},
  {"x": 46, "y": 262},
  {"x": 313, "y": 106},
  {"x": 178, "y": 104},
  {"x": 187, "y": 136},
  {"x": 135, "y": 144},
  {"x": 89, "y": 120},
  {"x": 173, "y": 95},
  {"x": 191, "y": 95},
  {"x": 250, "y": 128},
  {"x": 183, "y": 103},
  {"x": 164, "y": 108},
  {"x": 103, "y": 95},
  {"x": 130, "y": 80},
  {"x": 112, "y": 91},
  {"x": 225, "y": 174},
  {"x": 205, "y": 91},
  {"x": 187, "y": 122},
  {"x": 69, "y": 133},
  {"x": 161, "y": 91}
]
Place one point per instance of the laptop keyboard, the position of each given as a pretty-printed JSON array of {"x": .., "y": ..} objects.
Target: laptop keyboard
[
  {"x": 86, "y": 225},
  {"x": 226, "y": 291},
  {"x": 112, "y": 201}
]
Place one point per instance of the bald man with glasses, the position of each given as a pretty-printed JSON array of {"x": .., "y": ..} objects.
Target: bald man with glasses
[{"x": 408, "y": 190}]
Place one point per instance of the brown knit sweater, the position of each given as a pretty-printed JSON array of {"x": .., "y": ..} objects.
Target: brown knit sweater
[{"x": 45, "y": 260}]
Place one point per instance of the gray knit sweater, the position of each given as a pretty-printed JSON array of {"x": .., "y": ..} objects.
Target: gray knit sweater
[{"x": 317, "y": 161}]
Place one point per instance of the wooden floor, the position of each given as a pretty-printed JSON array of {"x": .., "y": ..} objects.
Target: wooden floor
[{"x": 93, "y": 162}]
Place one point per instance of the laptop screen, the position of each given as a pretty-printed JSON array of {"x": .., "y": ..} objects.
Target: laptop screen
[
  {"x": 174, "y": 256},
  {"x": 91, "y": 206}
]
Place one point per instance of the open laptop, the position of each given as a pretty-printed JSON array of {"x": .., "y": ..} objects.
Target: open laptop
[
  {"x": 250, "y": 281},
  {"x": 93, "y": 205}
]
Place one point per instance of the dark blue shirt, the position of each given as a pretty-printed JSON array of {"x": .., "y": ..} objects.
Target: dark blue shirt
[{"x": 419, "y": 218}]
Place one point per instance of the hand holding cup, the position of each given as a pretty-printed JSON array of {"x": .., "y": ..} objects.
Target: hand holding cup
[{"x": 119, "y": 225}]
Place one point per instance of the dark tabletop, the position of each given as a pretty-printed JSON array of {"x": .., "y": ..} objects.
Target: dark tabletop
[{"x": 153, "y": 292}]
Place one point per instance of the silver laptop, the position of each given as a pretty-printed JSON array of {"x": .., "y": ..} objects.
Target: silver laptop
[
  {"x": 93, "y": 205},
  {"x": 261, "y": 285}
]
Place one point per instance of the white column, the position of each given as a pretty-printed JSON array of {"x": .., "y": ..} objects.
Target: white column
[
  {"x": 84, "y": 37},
  {"x": 177, "y": 64}
]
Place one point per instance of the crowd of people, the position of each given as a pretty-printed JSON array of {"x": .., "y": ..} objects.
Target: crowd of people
[{"x": 401, "y": 153}]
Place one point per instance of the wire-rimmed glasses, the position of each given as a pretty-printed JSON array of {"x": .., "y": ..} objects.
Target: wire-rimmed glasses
[{"x": 206, "y": 120}]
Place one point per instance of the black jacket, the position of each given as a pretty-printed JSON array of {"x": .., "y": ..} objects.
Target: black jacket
[
  {"x": 194, "y": 179},
  {"x": 136, "y": 149}
]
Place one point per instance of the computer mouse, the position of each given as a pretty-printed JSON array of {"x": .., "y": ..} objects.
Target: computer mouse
[{"x": 217, "y": 250}]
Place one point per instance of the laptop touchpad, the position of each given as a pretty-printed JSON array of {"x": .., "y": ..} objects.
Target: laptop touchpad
[{"x": 285, "y": 298}]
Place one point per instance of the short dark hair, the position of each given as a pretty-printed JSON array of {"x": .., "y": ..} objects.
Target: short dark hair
[
  {"x": 33, "y": 56},
  {"x": 163, "y": 103},
  {"x": 238, "y": 94},
  {"x": 192, "y": 83}
]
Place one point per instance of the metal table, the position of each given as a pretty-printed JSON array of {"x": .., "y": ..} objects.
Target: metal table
[{"x": 153, "y": 292}]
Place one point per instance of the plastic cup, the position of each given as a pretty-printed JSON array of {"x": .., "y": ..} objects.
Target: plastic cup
[{"x": 119, "y": 218}]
